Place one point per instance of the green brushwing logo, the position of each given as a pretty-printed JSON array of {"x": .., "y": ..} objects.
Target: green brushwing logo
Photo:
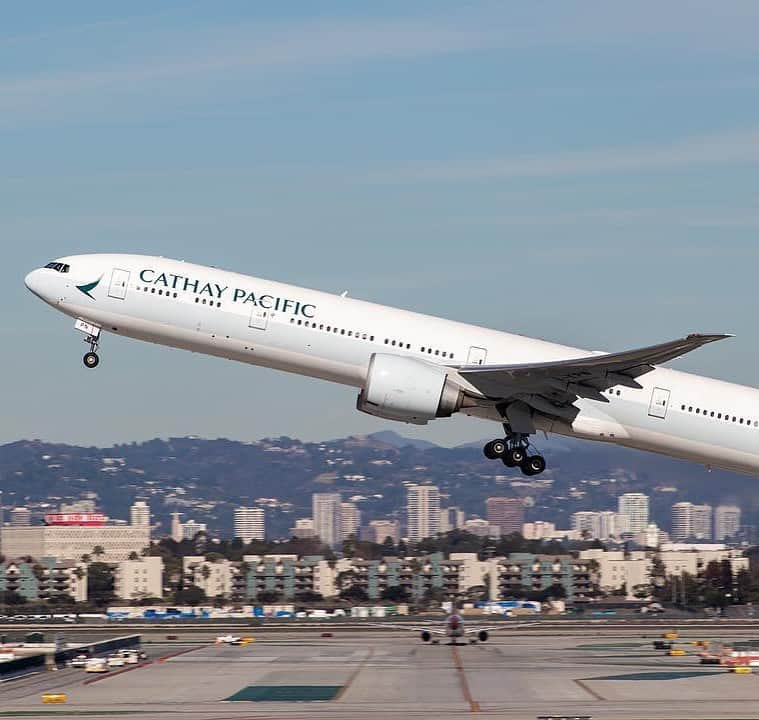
[{"x": 89, "y": 287}]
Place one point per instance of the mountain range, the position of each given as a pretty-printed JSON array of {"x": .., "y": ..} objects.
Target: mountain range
[{"x": 206, "y": 479}]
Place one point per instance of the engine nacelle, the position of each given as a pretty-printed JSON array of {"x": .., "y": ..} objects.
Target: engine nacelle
[
  {"x": 426, "y": 635},
  {"x": 408, "y": 390},
  {"x": 483, "y": 635}
]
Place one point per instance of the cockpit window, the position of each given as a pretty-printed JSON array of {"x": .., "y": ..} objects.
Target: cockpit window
[{"x": 58, "y": 267}]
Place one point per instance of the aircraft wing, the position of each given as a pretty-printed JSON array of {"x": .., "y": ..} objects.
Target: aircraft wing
[
  {"x": 411, "y": 628},
  {"x": 469, "y": 630},
  {"x": 552, "y": 387}
]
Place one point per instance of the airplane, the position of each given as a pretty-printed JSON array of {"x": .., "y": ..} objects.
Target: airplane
[
  {"x": 414, "y": 368},
  {"x": 453, "y": 627},
  {"x": 229, "y": 639}
]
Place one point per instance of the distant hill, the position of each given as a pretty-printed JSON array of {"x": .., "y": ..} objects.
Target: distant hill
[{"x": 207, "y": 479}]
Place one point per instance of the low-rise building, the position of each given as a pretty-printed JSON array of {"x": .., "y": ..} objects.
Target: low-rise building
[
  {"x": 617, "y": 570},
  {"x": 521, "y": 573},
  {"x": 47, "y": 579},
  {"x": 72, "y": 542},
  {"x": 138, "y": 579}
]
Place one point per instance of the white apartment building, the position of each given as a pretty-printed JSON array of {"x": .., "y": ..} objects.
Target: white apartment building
[
  {"x": 691, "y": 521},
  {"x": 249, "y": 523},
  {"x": 136, "y": 579},
  {"x": 382, "y": 529},
  {"x": 727, "y": 522},
  {"x": 422, "y": 511},
  {"x": 327, "y": 518},
  {"x": 617, "y": 569},
  {"x": 350, "y": 519},
  {"x": 587, "y": 524},
  {"x": 303, "y": 528},
  {"x": 214, "y": 578},
  {"x": 139, "y": 514},
  {"x": 21, "y": 517},
  {"x": 635, "y": 506},
  {"x": 191, "y": 528},
  {"x": 451, "y": 518},
  {"x": 482, "y": 528}
]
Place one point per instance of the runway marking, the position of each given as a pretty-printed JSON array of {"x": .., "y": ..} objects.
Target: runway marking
[
  {"x": 123, "y": 670},
  {"x": 585, "y": 687},
  {"x": 474, "y": 706},
  {"x": 180, "y": 652},
  {"x": 354, "y": 675}
]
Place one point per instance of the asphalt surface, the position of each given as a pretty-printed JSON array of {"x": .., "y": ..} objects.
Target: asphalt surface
[{"x": 389, "y": 673}]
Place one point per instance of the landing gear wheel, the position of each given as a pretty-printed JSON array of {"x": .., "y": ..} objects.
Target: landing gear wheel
[
  {"x": 91, "y": 360},
  {"x": 494, "y": 449},
  {"x": 514, "y": 456},
  {"x": 533, "y": 465}
]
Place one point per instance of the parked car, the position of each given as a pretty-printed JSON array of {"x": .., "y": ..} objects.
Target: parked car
[
  {"x": 79, "y": 661},
  {"x": 116, "y": 661}
]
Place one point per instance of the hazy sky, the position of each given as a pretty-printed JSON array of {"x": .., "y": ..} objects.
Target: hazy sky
[{"x": 584, "y": 172}]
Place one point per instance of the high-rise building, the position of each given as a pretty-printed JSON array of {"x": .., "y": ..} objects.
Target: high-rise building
[
  {"x": 326, "y": 517},
  {"x": 303, "y": 528},
  {"x": 682, "y": 515},
  {"x": 383, "y": 529},
  {"x": 691, "y": 521},
  {"x": 727, "y": 522},
  {"x": 701, "y": 522},
  {"x": 249, "y": 523},
  {"x": 587, "y": 524},
  {"x": 139, "y": 514},
  {"x": 176, "y": 527},
  {"x": 21, "y": 517},
  {"x": 506, "y": 513},
  {"x": 350, "y": 519},
  {"x": 451, "y": 518},
  {"x": 635, "y": 506},
  {"x": 191, "y": 528},
  {"x": 422, "y": 511}
]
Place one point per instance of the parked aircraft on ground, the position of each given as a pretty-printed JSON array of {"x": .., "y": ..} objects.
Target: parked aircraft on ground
[{"x": 415, "y": 368}]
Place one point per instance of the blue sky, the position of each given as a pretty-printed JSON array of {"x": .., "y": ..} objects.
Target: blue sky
[{"x": 583, "y": 172}]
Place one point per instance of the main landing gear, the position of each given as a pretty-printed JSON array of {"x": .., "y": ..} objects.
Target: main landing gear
[{"x": 514, "y": 451}]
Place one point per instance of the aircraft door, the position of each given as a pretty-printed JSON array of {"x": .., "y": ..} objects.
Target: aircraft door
[
  {"x": 119, "y": 284},
  {"x": 477, "y": 356},
  {"x": 659, "y": 403},
  {"x": 259, "y": 318}
]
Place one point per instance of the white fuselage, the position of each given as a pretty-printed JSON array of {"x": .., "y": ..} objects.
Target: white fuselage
[{"x": 332, "y": 337}]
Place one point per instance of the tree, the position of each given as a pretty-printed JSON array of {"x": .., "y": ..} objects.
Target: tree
[
  {"x": 191, "y": 595},
  {"x": 388, "y": 547},
  {"x": 269, "y": 596},
  {"x": 86, "y": 558},
  {"x": 133, "y": 555},
  {"x": 354, "y": 593},
  {"x": 98, "y": 551},
  {"x": 395, "y": 594},
  {"x": 100, "y": 584},
  {"x": 11, "y": 597},
  {"x": 308, "y": 596}
]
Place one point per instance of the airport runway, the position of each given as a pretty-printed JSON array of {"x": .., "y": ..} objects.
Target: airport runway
[{"x": 355, "y": 674}]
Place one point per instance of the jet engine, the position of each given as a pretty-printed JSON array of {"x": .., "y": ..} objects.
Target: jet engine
[
  {"x": 426, "y": 635},
  {"x": 408, "y": 390},
  {"x": 482, "y": 635}
]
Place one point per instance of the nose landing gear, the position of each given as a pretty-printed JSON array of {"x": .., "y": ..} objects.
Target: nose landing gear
[
  {"x": 514, "y": 451},
  {"x": 92, "y": 338}
]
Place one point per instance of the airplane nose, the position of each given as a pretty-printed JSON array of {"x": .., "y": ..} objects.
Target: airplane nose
[{"x": 33, "y": 282}]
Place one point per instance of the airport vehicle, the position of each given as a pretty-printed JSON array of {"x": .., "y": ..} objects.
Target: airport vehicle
[
  {"x": 79, "y": 661},
  {"x": 130, "y": 657},
  {"x": 116, "y": 661},
  {"x": 96, "y": 665},
  {"x": 414, "y": 368},
  {"x": 453, "y": 627}
]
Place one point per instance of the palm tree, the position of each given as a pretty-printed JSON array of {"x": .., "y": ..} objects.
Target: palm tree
[
  {"x": 98, "y": 551},
  {"x": 86, "y": 558},
  {"x": 133, "y": 555}
]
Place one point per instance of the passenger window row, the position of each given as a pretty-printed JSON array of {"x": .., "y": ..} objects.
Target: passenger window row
[
  {"x": 174, "y": 294},
  {"x": 330, "y": 328},
  {"x": 719, "y": 416},
  {"x": 365, "y": 336}
]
